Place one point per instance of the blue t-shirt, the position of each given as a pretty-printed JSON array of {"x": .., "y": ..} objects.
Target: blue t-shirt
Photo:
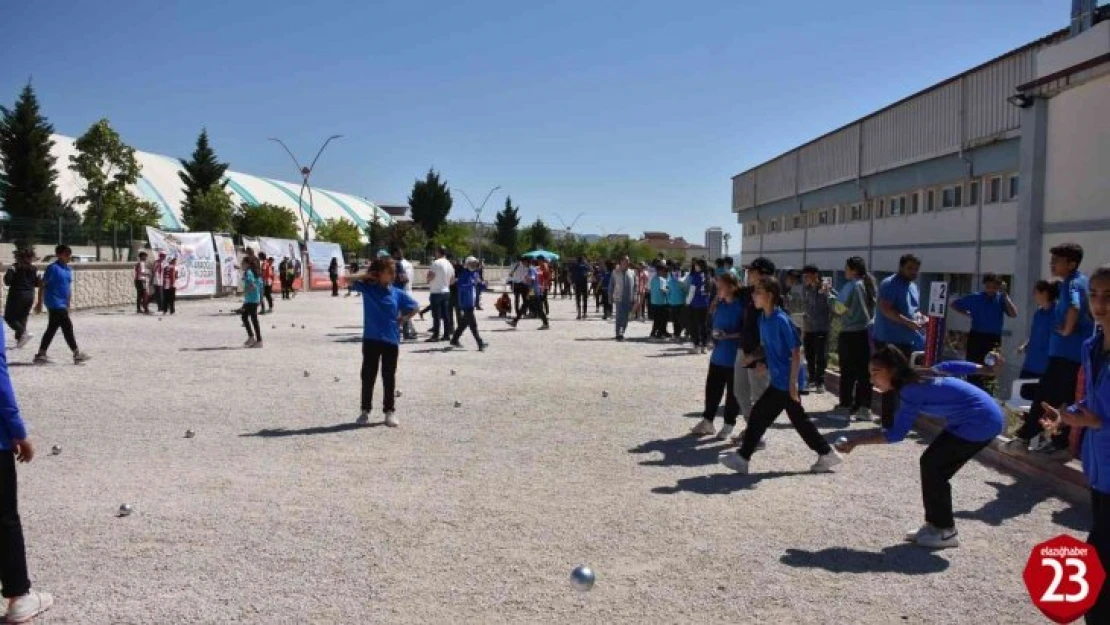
[
  {"x": 381, "y": 307},
  {"x": 1036, "y": 351},
  {"x": 603, "y": 278},
  {"x": 58, "y": 281},
  {"x": 1073, "y": 294},
  {"x": 537, "y": 284},
  {"x": 906, "y": 299},
  {"x": 727, "y": 318},
  {"x": 252, "y": 288},
  {"x": 467, "y": 284},
  {"x": 1096, "y": 398},
  {"x": 658, "y": 294},
  {"x": 778, "y": 338},
  {"x": 11, "y": 423},
  {"x": 580, "y": 272},
  {"x": 676, "y": 291},
  {"x": 968, "y": 411},
  {"x": 697, "y": 283},
  {"x": 987, "y": 312}
]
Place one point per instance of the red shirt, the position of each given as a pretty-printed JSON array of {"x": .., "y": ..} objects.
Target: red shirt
[
  {"x": 169, "y": 277},
  {"x": 268, "y": 274}
]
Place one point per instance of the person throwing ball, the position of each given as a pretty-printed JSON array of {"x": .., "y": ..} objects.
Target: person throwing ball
[{"x": 972, "y": 419}]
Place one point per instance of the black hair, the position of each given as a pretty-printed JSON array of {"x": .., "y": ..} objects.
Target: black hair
[
  {"x": 610, "y": 265},
  {"x": 1071, "y": 252},
  {"x": 1051, "y": 289},
  {"x": 720, "y": 262},
  {"x": 1102, "y": 274},
  {"x": 859, "y": 267},
  {"x": 901, "y": 371},
  {"x": 62, "y": 249},
  {"x": 991, "y": 278},
  {"x": 698, "y": 262},
  {"x": 810, "y": 269},
  {"x": 906, "y": 259},
  {"x": 728, "y": 260}
]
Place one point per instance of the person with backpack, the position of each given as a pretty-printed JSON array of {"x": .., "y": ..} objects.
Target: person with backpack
[{"x": 854, "y": 303}]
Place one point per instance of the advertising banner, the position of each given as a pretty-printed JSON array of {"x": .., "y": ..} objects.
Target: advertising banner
[
  {"x": 196, "y": 259},
  {"x": 229, "y": 260},
  {"x": 320, "y": 254},
  {"x": 281, "y": 249}
]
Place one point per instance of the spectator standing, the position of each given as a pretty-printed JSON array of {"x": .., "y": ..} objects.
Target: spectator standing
[
  {"x": 440, "y": 276},
  {"x": 1035, "y": 347},
  {"x": 899, "y": 321},
  {"x": 855, "y": 304},
  {"x": 818, "y": 316},
  {"x": 622, "y": 292},
  {"x": 988, "y": 309},
  {"x": 142, "y": 280},
  {"x": 21, "y": 279}
]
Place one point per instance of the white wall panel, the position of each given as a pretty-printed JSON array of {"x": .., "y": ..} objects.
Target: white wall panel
[
  {"x": 985, "y": 92},
  {"x": 1077, "y": 171},
  {"x": 776, "y": 179},
  {"x": 832, "y": 159},
  {"x": 946, "y": 226},
  {"x": 1000, "y": 221},
  {"x": 743, "y": 191},
  {"x": 853, "y": 233},
  {"x": 924, "y": 127},
  {"x": 792, "y": 240}
]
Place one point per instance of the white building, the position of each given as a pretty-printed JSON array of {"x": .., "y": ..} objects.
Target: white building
[
  {"x": 714, "y": 243},
  {"x": 982, "y": 172},
  {"x": 159, "y": 183}
]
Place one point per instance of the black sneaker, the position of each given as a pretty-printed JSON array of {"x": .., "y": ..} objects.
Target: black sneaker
[
  {"x": 456, "y": 344},
  {"x": 482, "y": 346},
  {"x": 432, "y": 339}
]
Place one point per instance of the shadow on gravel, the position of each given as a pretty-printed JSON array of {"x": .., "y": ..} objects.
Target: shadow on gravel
[
  {"x": 223, "y": 348},
  {"x": 431, "y": 350},
  {"x": 1019, "y": 499},
  {"x": 634, "y": 339},
  {"x": 354, "y": 338},
  {"x": 907, "y": 559},
  {"x": 344, "y": 333},
  {"x": 722, "y": 483},
  {"x": 670, "y": 354},
  {"x": 683, "y": 451},
  {"x": 720, "y": 413},
  {"x": 320, "y": 429}
]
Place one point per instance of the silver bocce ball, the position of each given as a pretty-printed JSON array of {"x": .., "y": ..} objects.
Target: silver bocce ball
[
  {"x": 458, "y": 404},
  {"x": 190, "y": 433},
  {"x": 336, "y": 379},
  {"x": 604, "y": 393},
  {"x": 306, "y": 374},
  {"x": 582, "y": 578},
  {"x": 125, "y": 509},
  {"x": 56, "y": 449},
  {"x": 453, "y": 372},
  {"x": 397, "y": 394}
]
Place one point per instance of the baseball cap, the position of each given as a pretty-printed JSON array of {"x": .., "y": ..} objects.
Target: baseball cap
[
  {"x": 763, "y": 265},
  {"x": 470, "y": 260}
]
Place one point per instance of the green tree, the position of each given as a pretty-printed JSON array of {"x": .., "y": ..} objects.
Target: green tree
[
  {"x": 202, "y": 171},
  {"x": 106, "y": 166},
  {"x": 29, "y": 193},
  {"x": 123, "y": 212},
  {"x": 506, "y": 224},
  {"x": 455, "y": 237},
  {"x": 210, "y": 211},
  {"x": 538, "y": 235},
  {"x": 430, "y": 203},
  {"x": 341, "y": 231},
  {"x": 265, "y": 220}
]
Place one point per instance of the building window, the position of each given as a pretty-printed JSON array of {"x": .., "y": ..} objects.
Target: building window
[
  {"x": 973, "y": 193},
  {"x": 951, "y": 197},
  {"x": 915, "y": 200},
  {"x": 930, "y": 200},
  {"x": 773, "y": 225},
  {"x": 832, "y": 215},
  {"x": 823, "y": 218},
  {"x": 961, "y": 283},
  {"x": 1014, "y": 188},
  {"x": 994, "y": 191},
  {"x": 881, "y": 211},
  {"x": 796, "y": 222},
  {"x": 898, "y": 205},
  {"x": 856, "y": 212}
]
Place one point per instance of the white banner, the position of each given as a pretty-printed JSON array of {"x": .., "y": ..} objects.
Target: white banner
[
  {"x": 251, "y": 243},
  {"x": 229, "y": 260},
  {"x": 320, "y": 254},
  {"x": 279, "y": 249},
  {"x": 196, "y": 259}
]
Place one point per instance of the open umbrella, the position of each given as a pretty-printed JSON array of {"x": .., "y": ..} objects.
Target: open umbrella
[{"x": 546, "y": 255}]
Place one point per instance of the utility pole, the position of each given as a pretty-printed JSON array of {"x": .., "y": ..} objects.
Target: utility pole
[{"x": 478, "y": 216}]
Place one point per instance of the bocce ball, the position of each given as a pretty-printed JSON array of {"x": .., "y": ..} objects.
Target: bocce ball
[{"x": 582, "y": 578}]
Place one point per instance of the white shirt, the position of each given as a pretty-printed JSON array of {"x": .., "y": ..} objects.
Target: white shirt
[
  {"x": 442, "y": 273},
  {"x": 406, "y": 266},
  {"x": 520, "y": 273}
]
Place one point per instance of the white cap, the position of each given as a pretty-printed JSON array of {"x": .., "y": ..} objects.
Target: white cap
[{"x": 470, "y": 260}]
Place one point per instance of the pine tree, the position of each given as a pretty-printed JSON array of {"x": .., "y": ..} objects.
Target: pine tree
[
  {"x": 203, "y": 170},
  {"x": 506, "y": 222},
  {"x": 430, "y": 203},
  {"x": 30, "y": 193}
]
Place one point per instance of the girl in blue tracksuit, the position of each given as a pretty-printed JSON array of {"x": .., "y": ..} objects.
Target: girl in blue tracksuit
[
  {"x": 252, "y": 297},
  {"x": 781, "y": 348},
  {"x": 1092, "y": 413},
  {"x": 972, "y": 419},
  {"x": 385, "y": 309},
  {"x": 469, "y": 284},
  {"x": 1040, "y": 329},
  {"x": 659, "y": 302},
  {"x": 727, "y": 320}
]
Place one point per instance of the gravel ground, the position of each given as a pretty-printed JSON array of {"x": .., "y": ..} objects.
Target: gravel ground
[{"x": 279, "y": 510}]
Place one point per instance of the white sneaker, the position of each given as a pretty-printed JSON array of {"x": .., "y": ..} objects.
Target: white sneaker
[
  {"x": 913, "y": 535},
  {"x": 24, "y": 340},
  {"x": 391, "y": 420},
  {"x": 939, "y": 538},
  {"x": 826, "y": 462},
  {"x": 703, "y": 428},
  {"x": 734, "y": 461},
  {"x": 363, "y": 418},
  {"x": 28, "y": 606},
  {"x": 726, "y": 429}
]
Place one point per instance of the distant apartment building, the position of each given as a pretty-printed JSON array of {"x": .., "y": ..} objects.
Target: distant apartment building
[
  {"x": 673, "y": 248},
  {"x": 715, "y": 243}
]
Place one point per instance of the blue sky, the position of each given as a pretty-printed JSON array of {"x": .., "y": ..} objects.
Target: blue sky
[{"x": 636, "y": 113}]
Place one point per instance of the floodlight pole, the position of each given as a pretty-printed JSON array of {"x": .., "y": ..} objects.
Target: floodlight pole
[{"x": 478, "y": 216}]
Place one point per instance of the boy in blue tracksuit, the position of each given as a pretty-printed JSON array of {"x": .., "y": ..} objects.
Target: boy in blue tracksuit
[
  {"x": 469, "y": 284},
  {"x": 23, "y": 603},
  {"x": 658, "y": 296},
  {"x": 988, "y": 310},
  {"x": 1040, "y": 328},
  {"x": 385, "y": 308},
  {"x": 676, "y": 301},
  {"x": 55, "y": 294},
  {"x": 1093, "y": 413}
]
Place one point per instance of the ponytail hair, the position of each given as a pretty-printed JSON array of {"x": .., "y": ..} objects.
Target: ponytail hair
[
  {"x": 870, "y": 290},
  {"x": 901, "y": 371}
]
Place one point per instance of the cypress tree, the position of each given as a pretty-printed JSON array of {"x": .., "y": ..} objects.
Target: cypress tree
[{"x": 29, "y": 194}]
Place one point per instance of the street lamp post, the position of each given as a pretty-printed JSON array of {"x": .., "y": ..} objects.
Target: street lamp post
[
  {"x": 306, "y": 173},
  {"x": 478, "y": 216}
]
